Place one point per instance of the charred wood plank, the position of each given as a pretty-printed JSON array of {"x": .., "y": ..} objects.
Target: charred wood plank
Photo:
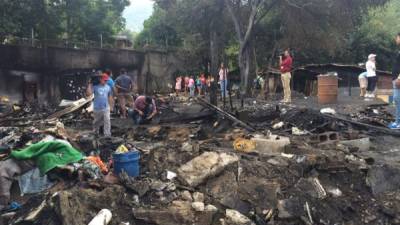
[
  {"x": 225, "y": 114},
  {"x": 382, "y": 130}
]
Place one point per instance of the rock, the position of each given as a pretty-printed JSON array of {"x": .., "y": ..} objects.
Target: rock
[
  {"x": 198, "y": 206},
  {"x": 171, "y": 187},
  {"x": 278, "y": 161},
  {"x": 204, "y": 166},
  {"x": 110, "y": 178},
  {"x": 383, "y": 178},
  {"x": 234, "y": 217},
  {"x": 290, "y": 208},
  {"x": 198, "y": 197},
  {"x": 271, "y": 146},
  {"x": 141, "y": 187},
  {"x": 185, "y": 195},
  {"x": 211, "y": 208},
  {"x": 363, "y": 144},
  {"x": 187, "y": 147},
  {"x": 158, "y": 185}
]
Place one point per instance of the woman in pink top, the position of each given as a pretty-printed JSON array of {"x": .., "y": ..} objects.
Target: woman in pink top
[
  {"x": 178, "y": 85},
  {"x": 186, "y": 84}
]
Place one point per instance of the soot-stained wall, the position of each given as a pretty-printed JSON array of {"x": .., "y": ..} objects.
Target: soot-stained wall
[{"x": 55, "y": 69}]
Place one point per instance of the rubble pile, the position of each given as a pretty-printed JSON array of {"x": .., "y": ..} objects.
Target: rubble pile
[{"x": 297, "y": 167}]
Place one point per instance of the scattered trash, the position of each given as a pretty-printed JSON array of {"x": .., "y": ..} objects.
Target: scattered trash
[
  {"x": 122, "y": 149},
  {"x": 102, "y": 218},
  {"x": 297, "y": 131},
  {"x": 328, "y": 111},
  {"x": 171, "y": 175},
  {"x": 278, "y": 125},
  {"x": 335, "y": 192},
  {"x": 33, "y": 182}
]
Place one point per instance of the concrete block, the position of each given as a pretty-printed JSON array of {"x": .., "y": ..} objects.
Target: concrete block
[
  {"x": 362, "y": 144},
  {"x": 272, "y": 145}
]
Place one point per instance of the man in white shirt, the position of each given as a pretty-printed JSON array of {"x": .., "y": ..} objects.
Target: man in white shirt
[{"x": 371, "y": 76}]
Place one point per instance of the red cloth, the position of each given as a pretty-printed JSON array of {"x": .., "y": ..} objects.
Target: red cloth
[
  {"x": 286, "y": 65},
  {"x": 203, "y": 80},
  {"x": 96, "y": 160}
]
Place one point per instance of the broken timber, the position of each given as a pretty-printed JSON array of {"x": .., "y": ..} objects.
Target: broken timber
[
  {"x": 225, "y": 114},
  {"x": 71, "y": 109},
  {"x": 372, "y": 127}
]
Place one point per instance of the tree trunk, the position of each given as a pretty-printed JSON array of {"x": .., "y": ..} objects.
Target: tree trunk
[
  {"x": 244, "y": 59},
  {"x": 214, "y": 65}
]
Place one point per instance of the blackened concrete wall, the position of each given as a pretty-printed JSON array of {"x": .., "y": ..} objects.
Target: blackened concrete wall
[{"x": 152, "y": 70}]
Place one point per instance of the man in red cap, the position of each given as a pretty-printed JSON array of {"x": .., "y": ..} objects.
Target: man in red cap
[{"x": 101, "y": 104}]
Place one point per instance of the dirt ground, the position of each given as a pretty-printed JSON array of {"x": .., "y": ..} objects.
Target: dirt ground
[{"x": 337, "y": 169}]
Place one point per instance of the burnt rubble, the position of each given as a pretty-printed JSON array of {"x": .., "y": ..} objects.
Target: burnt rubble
[{"x": 202, "y": 165}]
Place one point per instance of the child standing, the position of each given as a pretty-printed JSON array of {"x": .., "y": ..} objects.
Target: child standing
[
  {"x": 178, "y": 85},
  {"x": 186, "y": 84},
  {"x": 203, "y": 83},
  {"x": 191, "y": 86},
  {"x": 198, "y": 85}
]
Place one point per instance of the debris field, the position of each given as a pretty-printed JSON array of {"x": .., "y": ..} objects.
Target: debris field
[{"x": 261, "y": 164}]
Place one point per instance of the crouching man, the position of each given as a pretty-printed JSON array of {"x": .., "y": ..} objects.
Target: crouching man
[
  {"x": 144, "y": 110},
  {"x": 101, "y": 103}
]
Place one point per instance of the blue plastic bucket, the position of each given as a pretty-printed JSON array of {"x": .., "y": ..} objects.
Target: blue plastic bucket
[{"x": 128, "y": 162}]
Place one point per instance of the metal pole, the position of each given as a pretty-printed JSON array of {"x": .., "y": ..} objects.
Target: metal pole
[{"x": 32, "y": 37}]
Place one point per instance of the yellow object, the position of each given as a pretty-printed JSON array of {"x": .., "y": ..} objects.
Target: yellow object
[
  {"x": 4, "y": 99},
  {"x": 244, "y": 145},
  {"x": 122, "y": 149}
]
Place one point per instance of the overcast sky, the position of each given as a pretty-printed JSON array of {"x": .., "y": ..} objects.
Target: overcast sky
[{"x": 137, "y": 13}]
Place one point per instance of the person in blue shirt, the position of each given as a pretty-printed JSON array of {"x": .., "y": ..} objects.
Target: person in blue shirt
[
  {"x": 396, "y": 86},
  {"x": 110, "y": 80},
  {"x": 101, "y": 104}
]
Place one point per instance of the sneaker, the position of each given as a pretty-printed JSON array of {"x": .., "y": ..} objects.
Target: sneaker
[{"x": 394, "y": 126}]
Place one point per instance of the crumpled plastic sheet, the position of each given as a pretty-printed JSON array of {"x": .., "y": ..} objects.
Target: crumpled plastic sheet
[{"x": 31, "y": 182}]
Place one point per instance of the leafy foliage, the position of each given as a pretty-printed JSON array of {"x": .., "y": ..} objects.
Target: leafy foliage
[{"x": 72, "y": 19}]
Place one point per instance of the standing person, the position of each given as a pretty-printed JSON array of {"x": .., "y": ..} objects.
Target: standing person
[
  {"x": 286, "y": 63},
  {"x": 209, "y": 81},
  {"x": 186, "y": 79},
  {"x": 223, "y": 79},
  {"x": 178, "y": 85},
  {"x": 203, "y": 83},
  {"x": 110, "y": 80},
  {"x": 144, "y": 111},
  {"x": 198, "y": 85},
  {"x": 396, "y": 86},
  {"x": 101, "y": 103},
  {"x": 191, "y": 86},
  {"x": 371, "y": 76},
  {"x": 362, "y": 79},
  {"x": 123, "y": 87}
]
